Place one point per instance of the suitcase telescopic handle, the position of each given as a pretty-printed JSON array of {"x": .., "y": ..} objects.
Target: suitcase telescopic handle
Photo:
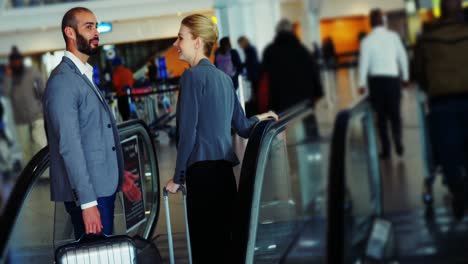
[{"x": 169, "y": 228}]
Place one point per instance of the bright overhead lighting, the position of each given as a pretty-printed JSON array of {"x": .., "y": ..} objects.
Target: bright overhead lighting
[{"x": 104, "y": 27}]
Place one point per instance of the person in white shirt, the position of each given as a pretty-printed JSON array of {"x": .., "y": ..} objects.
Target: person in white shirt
[{"x": 383, "y": 63}]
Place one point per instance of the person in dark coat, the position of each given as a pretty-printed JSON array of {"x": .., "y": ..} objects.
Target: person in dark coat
[
  {"x": 440, "y": 69},
  {"x": 252, "y": 68},
  {"x": 292, "y": 73}
]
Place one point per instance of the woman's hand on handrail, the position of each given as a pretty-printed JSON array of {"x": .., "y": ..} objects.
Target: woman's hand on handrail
[{"x": 269, "y": 114}]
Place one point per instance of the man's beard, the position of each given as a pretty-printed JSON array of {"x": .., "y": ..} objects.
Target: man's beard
[{"x": 84, "y": 45}]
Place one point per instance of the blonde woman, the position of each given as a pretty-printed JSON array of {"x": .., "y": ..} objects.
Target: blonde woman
[{"x": 207, "y": 109}]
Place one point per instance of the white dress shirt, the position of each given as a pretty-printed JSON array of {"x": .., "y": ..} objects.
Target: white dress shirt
[
  {"x": 382, "y": 54},
  {"x": 87, "y": 70}
]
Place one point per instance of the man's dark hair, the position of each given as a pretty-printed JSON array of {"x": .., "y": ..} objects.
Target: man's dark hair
[
  {"x": 376, "y": 17},
  {"x": 69, "y": 19}
]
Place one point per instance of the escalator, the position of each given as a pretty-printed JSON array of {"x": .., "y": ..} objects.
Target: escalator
[
  {"x": 283, "y": 192},
  {"x": 360, "y": 229},
  {"x": 303, "y": 198},
  {"x": 317, "y": 200},
  {"x": 32, "y": 226}
]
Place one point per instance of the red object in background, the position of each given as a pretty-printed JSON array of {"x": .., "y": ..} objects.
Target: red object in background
[
  {"x": 263, "y": 93},
  {"x": 138, "y": 92},
  {"x": 142, "y": 90},
  {"x": 129, "y": 188},
  {"x": 122, "y": 77}
]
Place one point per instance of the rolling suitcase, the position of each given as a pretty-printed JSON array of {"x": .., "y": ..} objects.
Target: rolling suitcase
[
  {"x": 98, "y": 249},
  {"x": 169, "y": 228}
]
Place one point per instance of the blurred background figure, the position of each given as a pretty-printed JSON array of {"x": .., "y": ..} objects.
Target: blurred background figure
[
  {"x": 24, "y": 87},
  {"x": 122, "y": 78},
  {"x": 316, "y": 52},
  {"x": 382, "y": 59},
  {"x": 152, "y": 71},
  {"x": 9, "y": 164},
  {"x": 228, "y": 60},
  {"x": 329, "y": 63},
  {"x": 252, "y": 68},
  {"x": 329, "y": 54},
  {"x": 289, "y": 71},
  {"x": 440, "y": 68}
]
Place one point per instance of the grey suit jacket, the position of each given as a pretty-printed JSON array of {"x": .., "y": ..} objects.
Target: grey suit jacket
[{"x": 85, "y": 152}]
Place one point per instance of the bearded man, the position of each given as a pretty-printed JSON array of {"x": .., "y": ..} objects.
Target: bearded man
[{"x": 86, "y": 164}]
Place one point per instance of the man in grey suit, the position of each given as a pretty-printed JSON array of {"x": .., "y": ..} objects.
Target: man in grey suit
[{"x": 86, "y": 164}]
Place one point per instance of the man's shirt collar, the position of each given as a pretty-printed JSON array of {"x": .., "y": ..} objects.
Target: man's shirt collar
[{"x": 83, "y": 68}]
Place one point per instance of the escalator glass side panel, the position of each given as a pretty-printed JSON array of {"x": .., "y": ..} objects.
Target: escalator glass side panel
[
  {"x": 246, "y": 188},
  {"x": 290, "y": 192},
  {"x": 31, "y": 240},
  {"x": 33, "y": 226},
  {"x": 358, "y": 202},
  {"x": 150, "y": 174},
  {"x": 355, "y": 177}
]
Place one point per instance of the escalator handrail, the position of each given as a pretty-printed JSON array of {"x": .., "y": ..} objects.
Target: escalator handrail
[
  {"x": 248, "y": 172},
  {"x": 292, "y": 112},
  {"x": 337, "y": 180},
  {"x": 295, "y": 112},
  {"x": 336, "y": 190},
  {"x": 23, "y": 186},
  {"x": 26, "y": 181},
  {"x": 359, "y": 106},
  {"x": 246, "y": 186}
]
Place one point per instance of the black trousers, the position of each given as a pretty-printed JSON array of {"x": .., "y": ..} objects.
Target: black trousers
[
  {"x": 124, "y": 107},
  {"x": 385, "y": 98},
  {"x": 211, "y": 195},
  {"x": 448, "y": 121}
]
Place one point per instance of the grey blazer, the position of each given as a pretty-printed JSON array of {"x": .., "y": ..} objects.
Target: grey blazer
[
  {"x": 85, "y": 152},
  {"x": 206, "y": 110}
]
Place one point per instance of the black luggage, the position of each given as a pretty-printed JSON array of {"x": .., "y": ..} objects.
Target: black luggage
[{"x": 147, "y": 252}]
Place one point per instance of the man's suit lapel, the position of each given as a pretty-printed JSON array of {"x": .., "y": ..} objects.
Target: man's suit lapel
[
  {"x": 90, "y": 85},
  {"x": 120, "y": 161}
]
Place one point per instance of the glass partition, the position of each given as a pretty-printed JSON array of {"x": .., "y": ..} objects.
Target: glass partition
[
  {"x": 362, "y": 194},
  {"x": 288, "y": 219},
  {"x": 32, "y": 225},
  {"x": 31, "y": 238},
  {"x": 355, "y": 187}
]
